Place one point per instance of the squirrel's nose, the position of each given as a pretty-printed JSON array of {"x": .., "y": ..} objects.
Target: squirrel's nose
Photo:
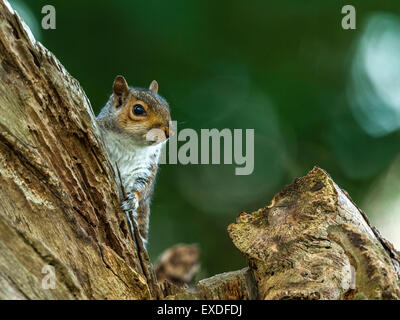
[{"x": 166, "y": 130}]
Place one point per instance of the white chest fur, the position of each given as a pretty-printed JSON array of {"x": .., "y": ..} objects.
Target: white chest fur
[{"x": 134, "y": 162}]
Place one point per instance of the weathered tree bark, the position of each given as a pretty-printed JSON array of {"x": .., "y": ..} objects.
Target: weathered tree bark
[
  {"x": 59, "y": 201},
  {"x": 313, "y": 242},
  {"x": 60, "y": 207}
]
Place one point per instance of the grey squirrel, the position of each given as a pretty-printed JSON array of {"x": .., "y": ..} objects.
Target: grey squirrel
[{"x": 135, "y": 123}]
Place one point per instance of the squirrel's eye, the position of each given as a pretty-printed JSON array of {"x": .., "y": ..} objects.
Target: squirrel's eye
[{"x": 138, "y": 110}]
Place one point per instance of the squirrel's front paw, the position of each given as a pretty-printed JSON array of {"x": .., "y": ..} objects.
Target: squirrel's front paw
[{"x": 131, "y": 202}]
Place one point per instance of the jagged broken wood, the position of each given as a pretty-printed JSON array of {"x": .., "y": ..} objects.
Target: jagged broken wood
[
  {"x": 60, "y": 207},
  {"x": 313, "y": 242}
]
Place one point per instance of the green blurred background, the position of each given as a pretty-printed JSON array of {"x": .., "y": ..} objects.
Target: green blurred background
[{"x": 314, "y": 93}]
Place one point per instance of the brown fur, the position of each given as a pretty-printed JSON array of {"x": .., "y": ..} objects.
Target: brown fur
[{"x": 140, "y": 125}]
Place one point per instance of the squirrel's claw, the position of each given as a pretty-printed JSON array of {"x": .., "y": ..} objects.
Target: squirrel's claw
[{"x": 130, "y": 203}]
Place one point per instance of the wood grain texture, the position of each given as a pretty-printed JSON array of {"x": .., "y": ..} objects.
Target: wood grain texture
[
  {"x": 312, "y": 242},
  {"x": 235, "y": 285}
]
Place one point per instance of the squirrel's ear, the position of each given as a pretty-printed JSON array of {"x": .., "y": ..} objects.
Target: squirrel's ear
[
  {"x": 120, "y": 87},
  {"x": 154, "y": 86}
]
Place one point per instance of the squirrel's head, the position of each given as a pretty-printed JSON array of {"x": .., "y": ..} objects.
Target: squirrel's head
[{"x": 141, "y": 113}]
